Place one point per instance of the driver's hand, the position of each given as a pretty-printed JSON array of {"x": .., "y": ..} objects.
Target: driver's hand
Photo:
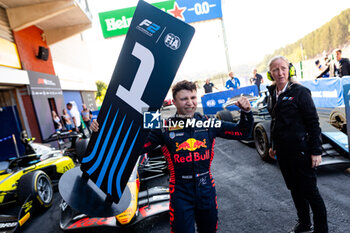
[
  {"x": 272, "y": 154},
  {"x": 243, "y": 103},
  {"x": 94, "y": 126},
  {"x": 316, "y": 160}
]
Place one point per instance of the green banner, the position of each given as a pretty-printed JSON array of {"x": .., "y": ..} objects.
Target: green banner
[{"x": 117, "y": 22}]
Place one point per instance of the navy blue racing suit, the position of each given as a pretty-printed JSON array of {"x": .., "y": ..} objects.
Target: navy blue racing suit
[{"x": 189, "y": 151}]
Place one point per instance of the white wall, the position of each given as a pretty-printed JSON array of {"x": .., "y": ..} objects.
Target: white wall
[{"x": 72, "y": 63}]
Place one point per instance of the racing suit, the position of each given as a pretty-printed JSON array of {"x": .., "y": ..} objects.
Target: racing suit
[
  {"x": 296, "y": 135},
  {"x": 189, "y": 152}
]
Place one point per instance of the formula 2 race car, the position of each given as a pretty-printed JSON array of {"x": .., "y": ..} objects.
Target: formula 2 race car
[
  {"x": 149, "y": 202},
  {"x": 26, "y": 183},
  {"x": 335, "y": 148}
]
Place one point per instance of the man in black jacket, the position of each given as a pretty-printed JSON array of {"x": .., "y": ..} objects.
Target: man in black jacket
[
  {"x": 344, "y": 64},
  {"x": 341, "y": 69},
  {"x": 257, "y": 79},
  {"x": 208, "y": 86},
  {"x": 296, "y": 142}
]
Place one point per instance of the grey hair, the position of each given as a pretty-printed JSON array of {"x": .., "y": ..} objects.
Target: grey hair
[
  {"x": 276, "y": 58},
  {"x": 291, "y": 79}
]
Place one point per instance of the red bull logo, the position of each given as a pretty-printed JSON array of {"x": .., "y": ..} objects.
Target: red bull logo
[
  {"x": 191, "y": 144},
  {"x": 192, "y": 157}
]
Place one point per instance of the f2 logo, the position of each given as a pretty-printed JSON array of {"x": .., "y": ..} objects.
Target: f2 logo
[
  {"x": 143, "y": 74},
  {"x": 151, "y": 27}
]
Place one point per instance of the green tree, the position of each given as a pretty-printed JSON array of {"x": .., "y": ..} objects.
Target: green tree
[
  {"x": 335, "y": 33},
  {"x": 101, "y": 92}
]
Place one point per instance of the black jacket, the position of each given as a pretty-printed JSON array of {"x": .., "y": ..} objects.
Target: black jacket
[
  {"x": 294, "y": 124},
  {"x": 344, "y": 67}
]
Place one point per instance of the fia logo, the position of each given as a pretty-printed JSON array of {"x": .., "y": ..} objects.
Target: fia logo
[
  {"x": 151, "y": 120},
  {"x": 211, "y": 103},
  {"x": 172, "y": 41},
  {"x": 148, "y": 27}
]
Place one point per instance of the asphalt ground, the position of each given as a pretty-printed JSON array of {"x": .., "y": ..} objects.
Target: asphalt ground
[{"x": 252, "y": 197}]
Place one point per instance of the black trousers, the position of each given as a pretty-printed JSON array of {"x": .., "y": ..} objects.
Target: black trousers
[{"x": 300, "y": 179}]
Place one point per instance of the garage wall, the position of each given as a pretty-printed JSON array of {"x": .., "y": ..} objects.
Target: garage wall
[
  {"x": 28, "y": 41},
  {"x": 89, "y": 99},
  {"x": 5, "y": 31}
]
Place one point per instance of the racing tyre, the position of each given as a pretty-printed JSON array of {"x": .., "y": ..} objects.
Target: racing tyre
[
  {"x": 261, "y": 141},
  {"x": 337, "y": 119},
  {"x": 37, "y": 184},
  {"x": 224, "y": 115}
]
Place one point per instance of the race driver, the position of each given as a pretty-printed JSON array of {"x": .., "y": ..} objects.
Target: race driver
[{"x": 189, "y": 151}]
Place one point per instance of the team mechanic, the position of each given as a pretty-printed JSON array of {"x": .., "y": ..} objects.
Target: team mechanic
[
  {"x": 296, "y": 138},
  {"x": 189, "y": 152}
]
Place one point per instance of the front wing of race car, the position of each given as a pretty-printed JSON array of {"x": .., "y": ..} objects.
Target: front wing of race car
[
  {"x": 10, "y": 223},
  {"x": 151, "y": 202}
]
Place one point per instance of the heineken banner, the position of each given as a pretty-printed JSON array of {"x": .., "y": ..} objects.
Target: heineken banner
[
  {"x": 117, "y": 22},
  {"x": 151, "y": 55},
  {"x": 197, "y": 10}
]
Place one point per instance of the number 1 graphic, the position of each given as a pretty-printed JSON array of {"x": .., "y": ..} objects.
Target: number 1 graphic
[{"x": 143, "y": 74}]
